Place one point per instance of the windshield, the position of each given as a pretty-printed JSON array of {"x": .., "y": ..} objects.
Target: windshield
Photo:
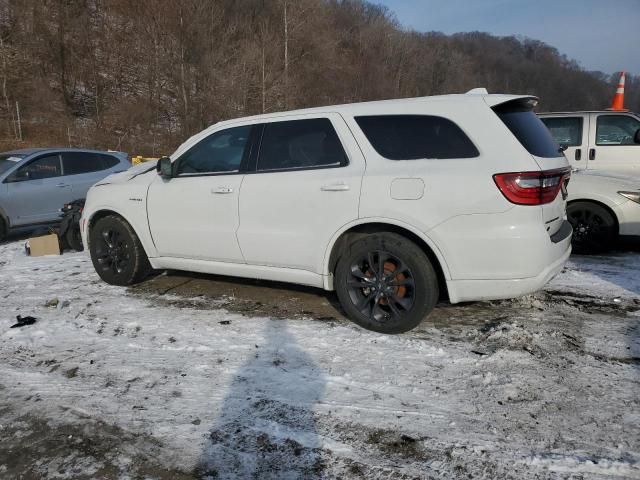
[
  {"x": 8, "y": 161},
  {"x": 528, "y": 129}
]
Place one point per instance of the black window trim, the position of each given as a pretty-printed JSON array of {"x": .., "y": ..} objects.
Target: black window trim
[
  {"x": 580, "y": 118},
  {"x": 614, "y": 114},
  {"x": 30, "y": 161},
  {"x": 254, "y": 165},
  {"x": 431, "y": 159},
  {"x": 244, "y": 163}
]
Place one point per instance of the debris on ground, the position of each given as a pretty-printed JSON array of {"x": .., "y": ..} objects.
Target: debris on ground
[{"x": 23, "y": 321}]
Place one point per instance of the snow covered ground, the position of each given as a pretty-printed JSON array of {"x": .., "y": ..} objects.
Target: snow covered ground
[{"x": 169, "y": 380}]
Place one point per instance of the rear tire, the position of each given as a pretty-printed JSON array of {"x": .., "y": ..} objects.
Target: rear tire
[
  {"x": 116, "y": 252},
  {"x": 386, "y": 283},
  {"x": 594, "y": 228}
]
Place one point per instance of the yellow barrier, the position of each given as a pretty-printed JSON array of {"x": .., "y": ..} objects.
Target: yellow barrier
[{"x": 139, "y": 159}]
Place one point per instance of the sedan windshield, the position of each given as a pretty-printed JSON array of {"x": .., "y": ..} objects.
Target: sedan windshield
[{"x": 8, "y": 161}]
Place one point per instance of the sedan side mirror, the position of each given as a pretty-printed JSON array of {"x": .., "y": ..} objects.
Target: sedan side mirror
[
  {"x": 165, "y": 167},
  {"x": 636, "y": 137}
]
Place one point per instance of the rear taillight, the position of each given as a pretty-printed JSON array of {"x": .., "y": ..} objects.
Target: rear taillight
[{"x": 533, "y": 188}]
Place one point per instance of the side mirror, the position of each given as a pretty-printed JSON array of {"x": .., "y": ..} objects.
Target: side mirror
[
  {"x": 165, "y": 167},
  {"x": 636, "y": 137}
]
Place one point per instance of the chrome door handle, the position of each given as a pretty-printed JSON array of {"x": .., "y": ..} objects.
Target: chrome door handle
[
  {"x": 337, "y": 187},
  {"x": 222, "y": 190}
]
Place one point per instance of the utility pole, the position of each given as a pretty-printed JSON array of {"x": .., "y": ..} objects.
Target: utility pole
[{"x": 19, "y": 123}]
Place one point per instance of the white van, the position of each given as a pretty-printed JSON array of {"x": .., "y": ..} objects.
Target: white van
[
  {"x": 600, "y": 140},
  {"x": 393, "y": 204}
]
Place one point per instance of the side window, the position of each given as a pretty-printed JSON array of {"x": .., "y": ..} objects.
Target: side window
[
  {"x": 616, "y": 130},
  {"x": 75, "y": 163},
  {"x": 41, "y": 168},
  {"x": 413, "y": 137},
  {"x": 108, "y": 161},
  {"x": 218, "y": 153},
  {"x": 566, "y": 131},
  {"x": 299, "y": 144}
]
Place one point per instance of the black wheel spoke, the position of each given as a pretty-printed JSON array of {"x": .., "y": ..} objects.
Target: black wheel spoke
[
  {"x": 394, "y": 309},
  {"x": 360, "y": 283},
  {"x": 365, "y": 301},
  {"x": 404, "y": 302},
  {"x": 370, "y": 259},
  {"x": 406, "y": 282}
]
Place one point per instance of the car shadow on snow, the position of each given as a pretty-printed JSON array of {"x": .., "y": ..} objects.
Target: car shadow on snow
[{"x": 266, "y": 427}]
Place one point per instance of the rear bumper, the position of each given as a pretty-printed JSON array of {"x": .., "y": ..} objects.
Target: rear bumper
[{"x": 551, "y": 253}]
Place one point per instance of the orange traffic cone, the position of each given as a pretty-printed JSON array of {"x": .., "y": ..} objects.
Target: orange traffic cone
[{"x": 618, "y": 98}]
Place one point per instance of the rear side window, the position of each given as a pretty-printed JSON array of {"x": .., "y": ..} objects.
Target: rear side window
[
  {"x": 300, "y": 144},
  {"x": 109, "y": 161},
  {"x": 76, "y": 163},
  {"x": 565, "y": 130},
  {"x": 525, "y": 125},
  {"x": 413, "y": 137}
]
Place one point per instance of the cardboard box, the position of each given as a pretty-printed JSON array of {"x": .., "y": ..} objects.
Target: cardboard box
[{"x": 45, "y": 245}]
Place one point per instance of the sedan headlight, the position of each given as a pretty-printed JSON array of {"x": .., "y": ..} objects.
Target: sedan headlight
[{"x": 633, "y": 196}]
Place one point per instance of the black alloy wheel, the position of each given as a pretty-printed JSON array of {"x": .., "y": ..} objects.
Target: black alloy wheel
[
  {"x": 116, "y": 252},
  {"x": 386, "y": 283}
]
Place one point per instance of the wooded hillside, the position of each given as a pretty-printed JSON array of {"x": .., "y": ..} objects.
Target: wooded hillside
[{"x": 143, "y": 76}]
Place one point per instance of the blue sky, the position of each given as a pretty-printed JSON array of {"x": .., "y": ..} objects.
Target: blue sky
[{"x": 600, "y": 34}]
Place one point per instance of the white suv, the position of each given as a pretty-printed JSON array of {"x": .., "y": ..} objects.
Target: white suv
[{"x": 393, "y": 204}]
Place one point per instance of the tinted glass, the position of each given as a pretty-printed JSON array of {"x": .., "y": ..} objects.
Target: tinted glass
[
  {"x": 412, "y": 137},
  {"x": 108, "y": 161},
  {"x": 80, "y": 162},
  {"x": 43, "y": 167},
  {"x": 218, "y": 153},
  {"x": 565, "y": 130},
  {"x": 616, "y": 130},
  {"x": 9, "y": 161},
  {"x": 300, "y": 144},
  {"x": 528, "y": 129}
]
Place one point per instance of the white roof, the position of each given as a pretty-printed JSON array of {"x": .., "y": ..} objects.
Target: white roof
[{"x": 490, "y": 99}]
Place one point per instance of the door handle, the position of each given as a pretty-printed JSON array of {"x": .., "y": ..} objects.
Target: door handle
[
  {"x": 336, "y": 187},
  {"x": 222, "y": 190},
  {"x": 578, "y": 154},
  {"x": 61, "y": 185},
  {"x": 592, "y": 154}
]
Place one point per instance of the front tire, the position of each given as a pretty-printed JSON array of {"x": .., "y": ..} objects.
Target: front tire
[
  {"x": 386, "y": 283},
  {"x": 116, "y": 252},
  {"x": 3, "y": 229},
  {"x": 594, "y": 228},
  {"x": 73, "y": 238}
]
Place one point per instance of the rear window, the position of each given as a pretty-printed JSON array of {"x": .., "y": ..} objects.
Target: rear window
[
  {"x": 528, "y": 128},
  {"x": 76, "y": 163},
  {"x": 413, "y": 137}
]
